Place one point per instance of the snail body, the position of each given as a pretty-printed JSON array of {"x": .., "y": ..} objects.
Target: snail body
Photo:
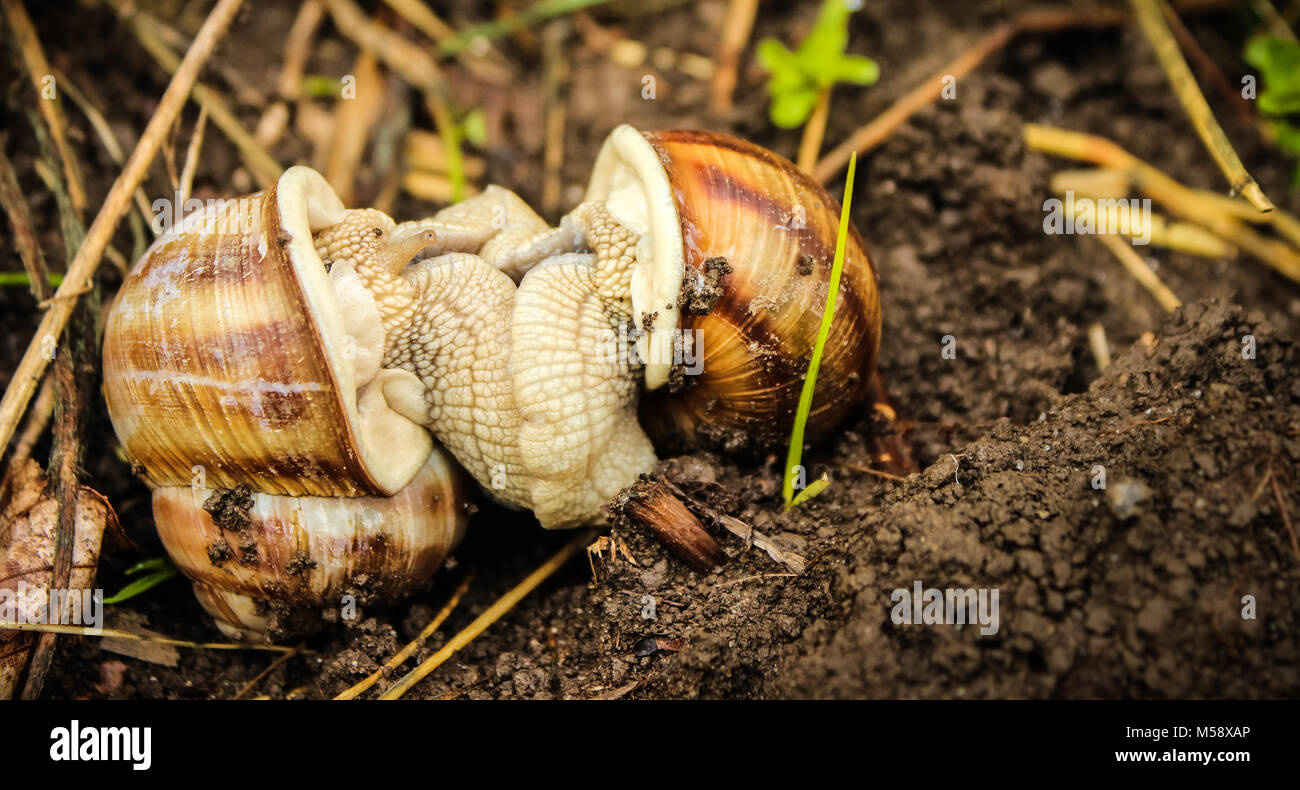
[
  {"x": 275, "y": 366},
  {"x": 686, "y": 242},
  {"x": 235, "y": 362}
]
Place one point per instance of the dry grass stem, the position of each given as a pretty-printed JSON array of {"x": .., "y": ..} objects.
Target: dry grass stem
[{"x": 88, "y": 256}]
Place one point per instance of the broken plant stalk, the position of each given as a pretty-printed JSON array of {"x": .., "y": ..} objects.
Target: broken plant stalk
[
  {"x": 1179, "y": 199},
  {"x": 1151, "y": 17},
  {"x": 400, "y": 657},
  {"x": 652, "y": 503}
]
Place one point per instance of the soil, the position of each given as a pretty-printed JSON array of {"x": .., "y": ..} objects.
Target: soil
[{"x": 1131, "y": 590}]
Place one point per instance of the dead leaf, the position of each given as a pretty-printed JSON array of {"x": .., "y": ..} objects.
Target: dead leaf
[{"x": 28, "y": 527}]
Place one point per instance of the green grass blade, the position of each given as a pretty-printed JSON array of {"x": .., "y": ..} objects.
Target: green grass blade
[
  {"x": 810, "y": 381},
  {"x": 152, "y": 564},
  {"x": 813, "y": 489},
  {"x": 535, "y": 13},
  {"x": 13, "y": 279},
  {"x": 142, "y": 585}
]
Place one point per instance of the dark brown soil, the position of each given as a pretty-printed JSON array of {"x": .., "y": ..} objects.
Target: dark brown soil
[{"x": 1135, "y": 590}]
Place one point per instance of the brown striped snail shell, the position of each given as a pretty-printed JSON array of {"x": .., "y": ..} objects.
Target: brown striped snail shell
[
  {"x": 742, "y": 243},
  {"x": 241, "y": 374}
]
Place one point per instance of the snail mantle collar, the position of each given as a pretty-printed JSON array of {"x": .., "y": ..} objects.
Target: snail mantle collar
[{"x": 631, "y": 181}]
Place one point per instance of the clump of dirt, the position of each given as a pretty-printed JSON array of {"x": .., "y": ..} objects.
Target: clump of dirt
[
  {"x": 229, "y": 509},
  {"x": 701, "y": 289},
  {"x": 1147, "y": 599}
]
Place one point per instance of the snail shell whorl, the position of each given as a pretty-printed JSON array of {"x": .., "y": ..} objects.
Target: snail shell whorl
[
  {"x": 232, "y": 357},
  {"x": 227, "y": 349},
  {"x": 777, "y": 229},
  {"x": 307, "y": 552}
]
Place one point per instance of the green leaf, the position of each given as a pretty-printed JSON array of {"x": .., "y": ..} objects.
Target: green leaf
[
  {"x": 1271, "y": 103},
  {"x": 798, "y": 78},
  {"x": 474, "y": 127},
  {"x": 830, "y": 35},
  {"x": 811, "y": 490},
  {"x": 857, "y": 70},
  {"x": 776, "y": 57},
  {"x": 152, "y": 564},
  {"x": 789, "y": 110},
  {"x": 1278, "y": 62},
  {"x": 142, "y": 585}
]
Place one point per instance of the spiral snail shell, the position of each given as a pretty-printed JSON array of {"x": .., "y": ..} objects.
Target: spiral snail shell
[
  {"x": 242, "y": 375},
  {"x": 740, "y": 244}
]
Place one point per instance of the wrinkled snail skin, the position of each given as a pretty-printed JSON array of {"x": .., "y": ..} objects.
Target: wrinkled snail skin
[
  {"x": 233, "y": 357},
  {"x": 534, "y": 388}
]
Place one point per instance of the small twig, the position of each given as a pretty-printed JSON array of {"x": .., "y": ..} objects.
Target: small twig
[
  {"x": 20, "y": 221},
  {"x": 412, "y": 64},
  {"x": 353, "y": 119},
  {"x": 406, "y": 652},
  {"x": 877, "y": 472},
  {"x": 555, "y": 76},
  {"x": 192, "y": 155},
  {"x": 537, "y": 12},
  {"x": 622, "y": 691},
  {"x": 482, "y": 66},
  {"x": 1046, "y": 21},
  {"x": 736, "y": 28},
  {"x": 879, "y": 129},
  {"x": 106, "y": 137},
  {"x": 1210, "y": 70},
  {"x": 1151, "y": 16},
  {"x": 810, "y": 144},
  {"x": 1100, "y": 348},
  {"x": 51, "y": 107},
  {"x": 114, "y": 633},
  {"x": 75, "y": 366},
  {"x": 1141, "y": 272},
  {"x": 34, "y": 362},
  {"x": 276, "y": 664},
  {"x": 1187, "y": 203},
  {"x": 1275, "y": 22},
  {"x": 795, "y": 562},
  {"x": 38, "y": 419},
  {"x": 1286, "y": 516},
  {"x": 495, "y": 612},
  {"x": 297, "y": 48},
  {"x": 1135, "y": 222}
]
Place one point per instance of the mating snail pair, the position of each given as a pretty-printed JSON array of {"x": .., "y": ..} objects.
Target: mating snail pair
[{"x": 290, "y": 377}]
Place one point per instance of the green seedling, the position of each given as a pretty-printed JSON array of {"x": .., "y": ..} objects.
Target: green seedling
[
  {"x": 157, "y": 570},
  {"x": 1278, "y": 61},
  {"x": 800, "y": 78},
  {"x": 810, "y": 381}
]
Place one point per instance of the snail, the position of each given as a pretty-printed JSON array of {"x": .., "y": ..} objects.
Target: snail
[
  {"x": 742, "y": 243},
  {"x": 272, "y": 364},
  {"x": 245, "y": 383},
  {"x": 687, "y": 244}
]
